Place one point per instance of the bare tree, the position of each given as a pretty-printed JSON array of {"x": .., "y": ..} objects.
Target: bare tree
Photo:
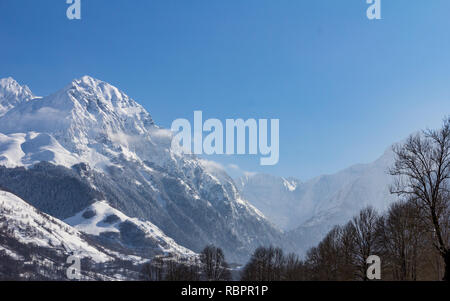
[
  {"x": 154, "y": 270},
  {"x": 294, "y": 269},
  {"x": 348, "y": 247},
  {"x": 422, "y": 167},
  {"x": 329, "y": 251},
  {"x": 364, "y": 227},
  {"x": 266, "y": 264},
  {"x": 181, "y": 271},
  {"x": 336, "y": 256},
  {"x": 214, "y": 266},
  {"x": 402, "y": 239}
]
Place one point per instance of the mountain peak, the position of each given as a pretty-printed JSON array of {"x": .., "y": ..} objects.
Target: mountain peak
[
  {"x": 86, "y": 112},
  {"x": 7, "y": 80},
  {"x": 99, "y": 97},
  {"x": 89, "y": 78},
  {"x": 12, "y": 94},
  {"x": 9, "y": 84},
  {"x": 87, "y": 89},
  {"x": 88, "y": 81}
]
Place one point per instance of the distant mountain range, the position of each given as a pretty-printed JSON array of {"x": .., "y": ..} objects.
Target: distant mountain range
[{"x": 307, "y": 211}]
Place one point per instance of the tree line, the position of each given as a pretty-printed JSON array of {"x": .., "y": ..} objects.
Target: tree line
[
  {"x": 398, "y": 237},
  {"x": 209, "y": 266}
]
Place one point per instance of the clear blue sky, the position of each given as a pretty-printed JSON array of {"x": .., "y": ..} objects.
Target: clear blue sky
[{"x": 343, "y": 87}]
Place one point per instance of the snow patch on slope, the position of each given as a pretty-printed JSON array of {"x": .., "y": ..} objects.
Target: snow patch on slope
[
  {"x": 100, "y": 217},
  {"x": 28, "y": 149},
  {"x": 30, "y": 226},
  {"x": 290, "y": 185}
]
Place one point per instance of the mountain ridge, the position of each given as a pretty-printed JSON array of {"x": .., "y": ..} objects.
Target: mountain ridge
[
  {"x": 309, "y": 211},
  {"x": 113, "y": 143}
]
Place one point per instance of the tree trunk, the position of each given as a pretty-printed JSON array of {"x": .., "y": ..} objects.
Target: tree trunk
[{"x": 446, "y": 256}]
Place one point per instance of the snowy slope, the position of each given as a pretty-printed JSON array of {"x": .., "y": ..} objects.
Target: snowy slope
[
  {"x": 22, "y": 149},
  {"x": 29, "y": 226},
  {"x": 100, "y": 218}
]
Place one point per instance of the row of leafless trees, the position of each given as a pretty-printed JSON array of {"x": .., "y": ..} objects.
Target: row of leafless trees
[
  {"x": 397, "y": 237},
  {"x": 210, "y": 266},
  {"x": 270, "y": 264}
]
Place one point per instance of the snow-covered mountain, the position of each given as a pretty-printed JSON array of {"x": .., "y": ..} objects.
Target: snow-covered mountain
[
  {"x": 12, "y": 94},
  {"x": 109, "y": 143},
  {"x": 92, "y": 120},
  {"x": 274, "y": 196},
  {"x": 307, "y": 211},
  {"x": 30, "y": 226}
]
